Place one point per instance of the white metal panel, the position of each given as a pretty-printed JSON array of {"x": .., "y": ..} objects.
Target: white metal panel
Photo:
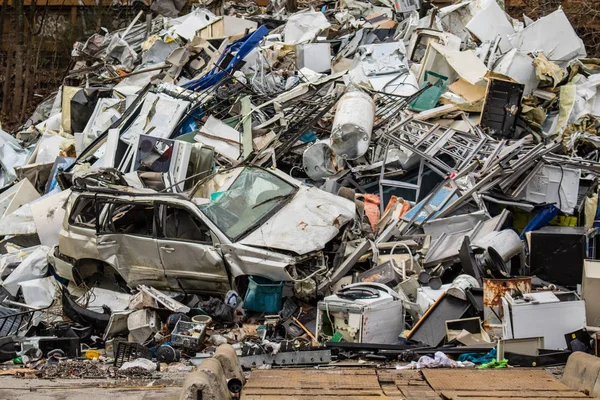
[{"x": 552, "y": 321}]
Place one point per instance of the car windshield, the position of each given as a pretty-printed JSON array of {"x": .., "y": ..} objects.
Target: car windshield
[{"x": 241, "y": 208}]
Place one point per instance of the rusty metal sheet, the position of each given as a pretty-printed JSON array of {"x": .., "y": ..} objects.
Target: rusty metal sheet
[
  {"x": 399, "y": 376},
  {"x": 511, "y": 394},
  {"x": 390, "y": 390},
  {"x": 495, "y": 396},
  {"x": 493, "y": 291},
  {"x": 508, "y": 379},
  {"x": 419, "y": 393},
  {"x": 329, "y": 397},
  {"x": 284, "y": 379},
  {"x": 310, "y": 392}
]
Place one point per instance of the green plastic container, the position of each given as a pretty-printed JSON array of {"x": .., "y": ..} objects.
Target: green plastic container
[
  {"x": 430, "y": 97},
  {"x": 263, "y": 295}
]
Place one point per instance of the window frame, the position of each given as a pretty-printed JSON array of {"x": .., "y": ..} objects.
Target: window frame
[
  {"x": 116, "y": 202},
  {"x": 160, "y": 221},
  {"x": 80, "y": 199},
  {"x": 261, "y": 221}
]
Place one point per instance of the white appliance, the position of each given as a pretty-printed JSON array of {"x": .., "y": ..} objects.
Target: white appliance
[
  {"x": 363, "y": 313},
  {"x": 546, "y": 314}
]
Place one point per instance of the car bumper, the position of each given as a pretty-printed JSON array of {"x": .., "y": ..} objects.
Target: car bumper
[{"x": 63, "y": 265}]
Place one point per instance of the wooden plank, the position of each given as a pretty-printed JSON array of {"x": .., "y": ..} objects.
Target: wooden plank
[
  {"x": 312, "y": 392},
  {"x": 511, "y": 394},
  {"x": 284, "y": 379},
  {"x": 512, "y": 398},
  {"x": 314, "y": 371},
  {"x": 389, "y": 390},
  {"x": 300, "y": 397},
  {"x": 419, "y": 393},
  {"x": 407, "y": 375},
  {"x": 496, "y": 379}
]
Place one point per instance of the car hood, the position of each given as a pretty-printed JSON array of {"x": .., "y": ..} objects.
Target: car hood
[{"x": 307, "y": 223}]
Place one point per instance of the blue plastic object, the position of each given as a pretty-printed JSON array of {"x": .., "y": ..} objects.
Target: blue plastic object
[
  {"x": 430, "y": 97},
  {"x": 308, "y": 137},
  {"x": 479, "y": 358},
  {"x": 263, "y": 295},
  {"x": 240, "y": 49},
  {"x": 540, "y": 219},
  {"x": 597, "y": 217}
]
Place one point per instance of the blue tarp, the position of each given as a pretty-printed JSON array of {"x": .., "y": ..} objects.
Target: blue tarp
[{"x": 241, "y": 48}]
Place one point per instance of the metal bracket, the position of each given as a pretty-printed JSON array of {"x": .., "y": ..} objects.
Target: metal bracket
[{"x": 287, "y": 358}]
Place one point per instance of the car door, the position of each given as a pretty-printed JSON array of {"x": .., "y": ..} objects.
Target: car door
[
  {"x": 126, "y": 241},
  {"x": 189, "y": 257}
]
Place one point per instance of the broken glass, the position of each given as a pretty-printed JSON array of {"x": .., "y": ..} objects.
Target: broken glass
[{"x": 254, "y": 195}]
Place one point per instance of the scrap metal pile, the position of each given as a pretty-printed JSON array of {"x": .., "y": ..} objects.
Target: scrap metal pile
[{"x": 379, "y": 177}]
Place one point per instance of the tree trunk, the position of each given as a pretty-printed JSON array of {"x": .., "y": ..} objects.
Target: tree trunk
[
  {"x": 291, "y": 6},
  {"x": 7, "y": 82},
  {"x": 19, "y": 65},
  {"x": 2, "y": 17},
  {"x": 18, "y": 88},
  {"x": 27, "y": 78}
]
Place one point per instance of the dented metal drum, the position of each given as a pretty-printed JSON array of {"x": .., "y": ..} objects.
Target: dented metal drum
[
  {"x": 353, "y": 125},
  {"x": 319, "y": 161}
]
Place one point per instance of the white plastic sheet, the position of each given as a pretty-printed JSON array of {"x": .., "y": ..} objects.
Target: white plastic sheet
[
  {"x": 304, "y": 27},
  {"x": 39, "y": 292},
  {"x": 34, "y": 266}
]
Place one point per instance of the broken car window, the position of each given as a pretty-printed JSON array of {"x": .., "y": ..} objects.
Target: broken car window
[
  {"x": 254, "y": 195},
  {"x": 133, "y": 219},
  {"x": 84, "y": 213},
  {"x": 180, "y": 224}
]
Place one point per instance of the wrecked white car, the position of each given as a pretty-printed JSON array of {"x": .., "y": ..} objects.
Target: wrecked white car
[{"x": 245, "y": 221}]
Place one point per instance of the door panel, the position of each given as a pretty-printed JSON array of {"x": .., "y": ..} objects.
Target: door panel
[
  {"x": 125, "y": 241},
  {"x": 188, "y": 255}
]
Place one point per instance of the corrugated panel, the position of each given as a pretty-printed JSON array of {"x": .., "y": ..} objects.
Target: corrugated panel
[
  {"x": 512, "y": 394},
  {"x": 419, "y": 393},
  {"x": 309, "y": 392},
  {"x": 519, "y": 379},
  {"x": 397, "y": 376},
  {"x": 284, "y": 379},
  {"x": 329, "y": 397}
]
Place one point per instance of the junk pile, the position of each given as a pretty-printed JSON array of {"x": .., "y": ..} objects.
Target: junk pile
[{"x": 365, "y": 180}]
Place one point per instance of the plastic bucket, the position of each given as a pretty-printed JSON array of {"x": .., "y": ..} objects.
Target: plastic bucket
[{"x": 263, "y": 295}]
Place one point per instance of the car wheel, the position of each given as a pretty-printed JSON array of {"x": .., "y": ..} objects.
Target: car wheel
[{"x": 94, "y": 273}]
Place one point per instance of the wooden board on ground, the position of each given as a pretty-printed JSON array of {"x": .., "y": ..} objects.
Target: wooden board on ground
[
  {"x": 511, "y": 384},
  {"x": 511, "y": 394},
  {"x": 324, "y": 384},
  {"x": 491, "y": 379}
]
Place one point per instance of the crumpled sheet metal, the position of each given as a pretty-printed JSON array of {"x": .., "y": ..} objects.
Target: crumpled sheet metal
[
  {"x": 317, "y": 213},
  {"x": 304, "y": 27},
  {"x": 34, "y": 266},
  {"x": 11, "y": 155}
]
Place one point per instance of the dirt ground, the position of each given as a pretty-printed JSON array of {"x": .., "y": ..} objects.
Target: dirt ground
[{"x": 89, "y": 389}]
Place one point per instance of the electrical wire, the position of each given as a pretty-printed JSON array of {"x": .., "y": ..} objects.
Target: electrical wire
[
  {"x": 396, "y": 85},
  {"x": 562, "y": 174},
  {"x": 402, "y": 273},
  {"x": 322, "y": 269}
]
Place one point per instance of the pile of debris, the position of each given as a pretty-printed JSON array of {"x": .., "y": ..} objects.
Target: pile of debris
[{"x": 372, "y": 179}]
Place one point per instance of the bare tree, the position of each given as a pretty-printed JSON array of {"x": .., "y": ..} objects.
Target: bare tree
[
  {"x": 19, "y": 50},
  {"x": 2, "y": 17},
  {"x": 6, "y": 87}
]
